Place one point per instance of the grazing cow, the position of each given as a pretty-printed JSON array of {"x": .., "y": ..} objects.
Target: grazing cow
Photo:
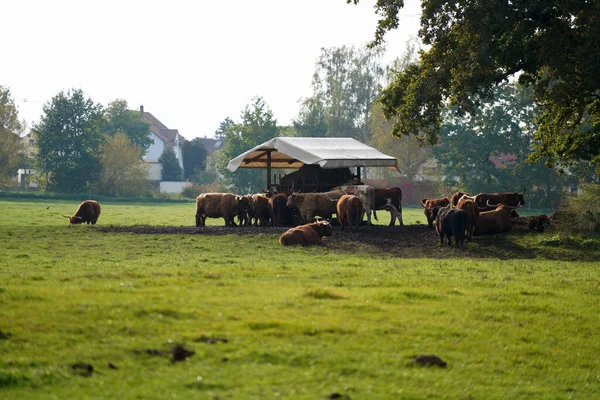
[
  {"x": 261, "y": 210},
  {"x": 389, "y": 199},
  {"x": 429, "y": 205},
  {"x": 456, "y": 196},
  {"x": 465, "y": 203},
  {"x": 306, "y": 235},
  {"x": 312, "y": 204},
  {"x": 511, "y": 199},
  {"x": 220, "y": 205},
  {"x": 281, "y": 215},
  {"x": 366, "y": 194},
  {"x": 495, "y": 221},
  {"x": 88, "y": 212},
  {"x": 350, "y": 211},
  {"x": 451, "y": 222}
]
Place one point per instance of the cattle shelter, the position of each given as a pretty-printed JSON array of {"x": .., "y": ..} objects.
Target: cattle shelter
[{"x": 321, "y": 162}]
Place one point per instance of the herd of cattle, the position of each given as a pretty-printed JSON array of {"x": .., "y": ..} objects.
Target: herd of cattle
[{"x": 460, "y": 217}]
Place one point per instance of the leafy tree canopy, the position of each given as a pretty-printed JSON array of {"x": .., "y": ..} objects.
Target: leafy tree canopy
[
  {"x": 258, "y": 125},
  {"x": 10, "y": 143},
  {"x": 120, "y": 119},
  {"x": 552, "y": 46},
  {"x": 223, "y": 125},
  {"x": 194, "y": 158},
  {"x": 171, "y": 170},
  {"x": 68, "y": 142}
]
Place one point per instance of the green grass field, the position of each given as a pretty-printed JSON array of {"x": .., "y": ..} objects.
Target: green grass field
[{"x": 295, "y": 323}]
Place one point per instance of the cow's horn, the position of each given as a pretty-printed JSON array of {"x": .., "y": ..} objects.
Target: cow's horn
[
  {"x": 66, "y": 216},
  {"x": 491, "y": 205},
  {"x": 523, "y": 192},
  {"x": 513, "y": 207}
]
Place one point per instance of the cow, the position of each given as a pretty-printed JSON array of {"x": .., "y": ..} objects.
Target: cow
[
  {"x": 429, "y": 205},
  {"x": 495, "y": 221},
  {"x": 220, "y": 205},
  {"x": 306, "y": 235},
  {"x": 465, "y": 203},
  {"x": 389, "y": 199},
  {"x": 510, "y": 199},
  {"x": 350, "y": 211},
  {"x": 88, "y": 212},
  {"x": 245, "y": 215},
  {"x": 281, "y": 215},
  {"x": 366, "y": 194},
  {"x": 312, "y": 204},
  {"x": 456, "y": 196},
  {"x": 451, "y": 222},
  {"x": 261, "y": 210}
]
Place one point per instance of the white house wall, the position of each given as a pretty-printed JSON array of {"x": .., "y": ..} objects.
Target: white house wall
[
  {"x": 155, "y": 171},
  {"x": 155, "y": 150}
]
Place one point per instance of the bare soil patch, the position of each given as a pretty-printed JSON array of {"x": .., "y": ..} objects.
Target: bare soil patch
[{"x": 410, "y": 241}]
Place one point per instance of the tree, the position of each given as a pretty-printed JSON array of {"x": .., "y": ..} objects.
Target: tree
[
  {"x": 552, "y": 46},
  {"x": 194, "y": 158},
  {"x": 11, "y": 147},
  {"x": 500, "y": 131},
  {"x": 171, "y": 170},
  {"x": 120, "y": 119},
  {"x": 223, "y": 126},
  {"x": 68, "y": 141},
  {"x": 123, "y": 173},
  {"x": 258, "y": 125},
  {"x": 345, "y": 84}
]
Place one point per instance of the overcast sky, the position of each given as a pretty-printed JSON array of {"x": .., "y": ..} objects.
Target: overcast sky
[{"x": 190, "y": 63}]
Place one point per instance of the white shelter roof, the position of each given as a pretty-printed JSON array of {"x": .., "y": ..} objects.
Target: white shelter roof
[{"x": 294, "y": 152}]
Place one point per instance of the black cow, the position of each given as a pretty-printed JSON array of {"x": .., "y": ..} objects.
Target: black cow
[{"x": 451, "y": 222}]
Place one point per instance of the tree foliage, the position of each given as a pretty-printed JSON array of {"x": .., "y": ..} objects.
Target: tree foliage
[
  {"x": 120, "y": 119},
  {"x": 10, "y": 143},
  {"x": 123, "y": 173},
  {"x": 194, "y": 158},
  {"x": 171, "y": 170},
  {"x": 68, "y": 142},
  {"x": 223, "y": 126},
  {"x": 257, "y": 126},
  {"x": 345, "y": 84},
  {"x": 488, "y": 150},
  {"x": 552, "y": 46}
]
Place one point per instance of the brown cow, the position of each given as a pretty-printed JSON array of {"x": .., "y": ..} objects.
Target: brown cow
[
  {"x": 389, "y": 199},
  {"x": 456, "y": 196},
  {"x": 281, "y": 215},
  {"x": 245, "y": 215},
  {"x": 495, "y": 221},
  {"x": 88, "y": 212},
  {"x": 472, "y": 214},
  {"x": 511, "y": 199},
  {"x": 220, "y": 205},
  {"x": 306, "y": 235},
  {"x": 313, "y": 204},
  {"x": 429, "y": 205},
  {"x": 366, "y": 194},
  {"x": 261, "y": 209},
  {"x": 350, "y": 211}
]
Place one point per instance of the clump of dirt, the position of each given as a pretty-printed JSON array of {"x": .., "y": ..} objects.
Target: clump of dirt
[
  {"x": 211, "y": 340},
  {"x": 83, "y": 369},
  {"x": 430, "y": 361},
  {"x": 177, "y": 353}
]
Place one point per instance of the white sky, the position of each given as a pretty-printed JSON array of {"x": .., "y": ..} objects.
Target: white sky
[{"x": 190, "y": 63}]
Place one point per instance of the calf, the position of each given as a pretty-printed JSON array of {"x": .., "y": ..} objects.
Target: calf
[
  {"x": 389, "y": 199},
  {"x": 429, "y": 205},
  {"x": 220, "y": 205},
  {"x": 306, "y": 235},
  {"x": 88, "y": 212},
  {"x": 350, "y": 211},
  {"x": 451, "y": 222}
]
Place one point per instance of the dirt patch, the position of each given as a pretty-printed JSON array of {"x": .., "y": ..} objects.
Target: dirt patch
[{"x": 409, "y": 241}]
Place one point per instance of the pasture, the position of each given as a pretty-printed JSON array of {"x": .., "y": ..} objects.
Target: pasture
[{"x": 95, "y": 311}]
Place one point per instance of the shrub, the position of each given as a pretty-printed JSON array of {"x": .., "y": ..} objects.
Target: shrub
[{"x": 581, "y": 214}]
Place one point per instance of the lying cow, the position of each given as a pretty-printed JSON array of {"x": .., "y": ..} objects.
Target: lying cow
[
  {"x": 312, "y": 204},
  {"x": 350, "y": 211},
  {"x": 510, "y": 199},
  {"x": 495, "y": 221},
  {"x": 389, "y": 199},
  {"x": 88, "y": 212},
  {"x": 220, "y": 205},
  {"x": 469, "y": 206},
  {"x": 451, "y": 222},
  {"x": 429, "y": 205},
  {"x": 306, "y": 235},
  {"x": 366, "y": 194}
]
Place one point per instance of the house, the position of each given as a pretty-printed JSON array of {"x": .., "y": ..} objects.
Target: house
[
  {"x": 211, "y": 144},
  {"x": 161, "y": 137}
]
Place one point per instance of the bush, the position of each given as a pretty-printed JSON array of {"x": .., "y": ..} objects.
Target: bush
[
  {"x": 192, "y": 191},
  {"x": 580, "y": 214}
]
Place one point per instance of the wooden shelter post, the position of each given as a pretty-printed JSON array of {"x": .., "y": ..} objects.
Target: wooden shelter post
[{"x": 269, "y": 170}]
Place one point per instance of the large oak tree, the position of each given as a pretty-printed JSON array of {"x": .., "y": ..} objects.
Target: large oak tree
[{"x": 552, "y": 46}]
